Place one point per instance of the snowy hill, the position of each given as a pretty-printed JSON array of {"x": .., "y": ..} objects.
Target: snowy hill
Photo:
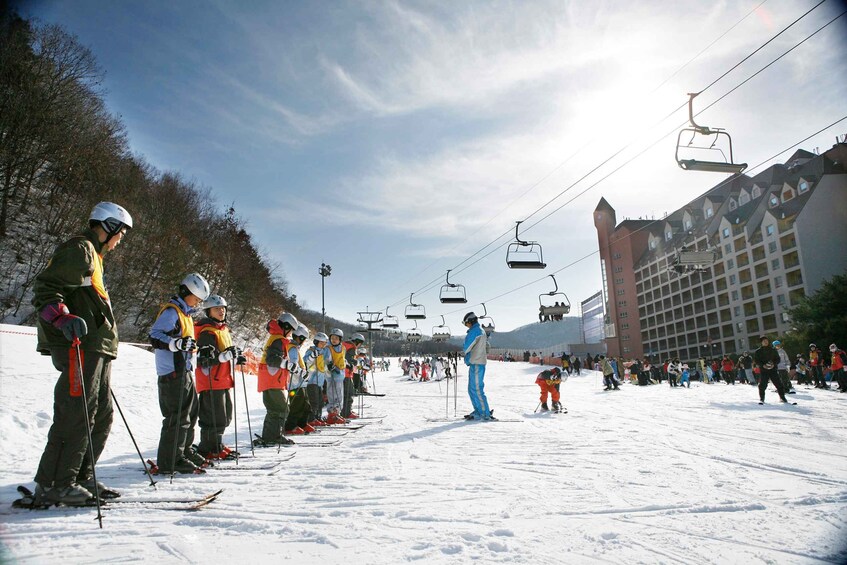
[
  {"x": 536, "y": 336},
  {"x": 643, "y": 475}
]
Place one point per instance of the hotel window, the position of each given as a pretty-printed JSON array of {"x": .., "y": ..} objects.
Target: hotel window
[
  {"x": 803, "y": 187},
  {"x": 669, "y": 235},
  {"x": 725, "y": 232},
  {"x": 772, "y": 247},
  {"x": 774, "y": 264},
  {"x": 769, "y": 230},
  {"x": 652, "y": 244},
  {"x": 623, "y": 315},
  {"x": 774, "y": 201},
  {"x": 730, "y": 264}
]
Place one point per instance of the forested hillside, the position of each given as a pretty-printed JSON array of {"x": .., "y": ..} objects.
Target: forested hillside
[{"x": 61, "y": 152}]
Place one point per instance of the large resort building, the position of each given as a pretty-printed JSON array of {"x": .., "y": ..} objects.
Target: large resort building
[{"x": 776, "y": 237}]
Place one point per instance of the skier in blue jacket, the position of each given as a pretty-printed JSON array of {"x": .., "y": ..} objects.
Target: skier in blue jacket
[{"x": 476, "y": 351}]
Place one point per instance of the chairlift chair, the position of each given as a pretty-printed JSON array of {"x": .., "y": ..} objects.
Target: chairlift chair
[
  {"x": 693, "y": 260},
  {"x": 485, "y": 321},
  {"x": 415, "y": 311},
  {"x": 390, "y": 322},
  {"x": 369, "y": 318},
  {"x": 413, "y": 335},
  {"x": 452, "y": 293},
  {"x": 547, "y": 309},
  {"x": 722, "y": 166},
  {"x": 442, "y": 332},
  {"x": 524, "y": 254}
]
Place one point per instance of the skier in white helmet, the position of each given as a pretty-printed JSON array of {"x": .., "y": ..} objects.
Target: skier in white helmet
[{"x": 75, "y": 315}]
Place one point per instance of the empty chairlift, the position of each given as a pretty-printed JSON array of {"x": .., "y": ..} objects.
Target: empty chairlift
[
  {"x": 390, "y": 322},
  {"x": 415, "y": 311},
  {"x": 698, "y": 146},
  {"x": 442, "y": 332},
  {"x": 553, "y": 305},
  {"x": 524, "y": 254},
  {"x": 452, "y": 293}
]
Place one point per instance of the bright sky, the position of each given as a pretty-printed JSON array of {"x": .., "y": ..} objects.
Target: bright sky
[{"x": 392, "y": 140}]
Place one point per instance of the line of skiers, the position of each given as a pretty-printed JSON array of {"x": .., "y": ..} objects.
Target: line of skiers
[{"x": 195, "y": 365}]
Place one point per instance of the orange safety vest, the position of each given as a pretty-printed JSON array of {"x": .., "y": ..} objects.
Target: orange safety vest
[
  {"x": 348, "y": 373},
  {"x": 277, "y": 379},
  {"x": 219, "y": 376}
]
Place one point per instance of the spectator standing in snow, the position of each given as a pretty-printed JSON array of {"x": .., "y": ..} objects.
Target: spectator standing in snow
[
  {"x": 837, "y": 367},
  {"x": 476, "y": 356},
  {"x": 816, "y": 365},
  {"x": 783, "y": 366},
  {"x": 72, "y": 303}
]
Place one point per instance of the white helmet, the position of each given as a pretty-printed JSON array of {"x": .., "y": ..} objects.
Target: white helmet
[
  {"x": 338, "y": 332},
  {"x": 357, "y": 337},
  {"x": 301, "y": 331},
  {"x": 214, "y": 301},
  {"x": 195, "y": 284},
  {"x": 286, "y": 319},
  {"x": 833, "y": 347},
  {"x": 320, "y": 336},
  {"x": 361, "y": 350},
  {"x": 111, "y": 216}
]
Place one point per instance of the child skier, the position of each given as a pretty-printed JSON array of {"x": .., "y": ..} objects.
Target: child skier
[
  {"x": 350, "y": 347},
  {"x": 335, "y": 384},
  {"x": 214, "y": 378},
  {"x": 549, "y": 381},
  {"x": 273, "y": 379},
  {"x": 172, "y": 336},
  {"x": 297, "y": 422},
  {"x": 316, "y": 361},
  {"x": 685, "y": 379}
]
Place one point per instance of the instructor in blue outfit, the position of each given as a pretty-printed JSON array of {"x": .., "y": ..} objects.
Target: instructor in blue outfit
[{"x": 476, "y": 351}]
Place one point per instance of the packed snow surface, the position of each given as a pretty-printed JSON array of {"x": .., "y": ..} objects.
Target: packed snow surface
[{"x": 641, "y": 475}]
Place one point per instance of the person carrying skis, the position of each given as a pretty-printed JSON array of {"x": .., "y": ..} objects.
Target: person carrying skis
[
  {"x": 73, "y": 304},
  {"x": 297, "y": 422},
  {"x": 476, "y": 357},
  {"x": 172, "y": 337},
  {"x": 335, "y": 384},
  {"x": 216, "y": 360},
  {"x": 549, "y": 381},
  {"x": 766, "y": 359},
  {"x": 316, "y": 360},
  {"x": 274, "y": 375}
]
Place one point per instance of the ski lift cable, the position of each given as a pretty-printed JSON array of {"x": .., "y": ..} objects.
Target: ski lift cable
[
  {"x": 657, "y": 141},
  {"x": 575, "y": 153},
  {"x": 433, "y": 283},
  {"x": 653, "y": 222}
]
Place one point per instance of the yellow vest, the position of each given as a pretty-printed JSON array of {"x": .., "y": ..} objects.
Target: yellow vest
[
  {"x": 338, "y": 357},
  {"x": 186, "y": 323}
]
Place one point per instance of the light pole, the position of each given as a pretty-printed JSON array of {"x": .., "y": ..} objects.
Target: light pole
[{"x": 324, "y": 271}]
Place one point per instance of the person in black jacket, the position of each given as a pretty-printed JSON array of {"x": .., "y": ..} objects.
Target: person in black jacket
[{"x": 767, "y": 359}]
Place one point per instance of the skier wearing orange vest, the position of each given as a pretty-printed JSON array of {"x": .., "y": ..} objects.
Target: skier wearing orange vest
[{"x": 273, "y": 379}]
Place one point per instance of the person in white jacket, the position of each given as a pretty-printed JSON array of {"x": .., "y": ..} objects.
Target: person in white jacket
[{"x": 783, "y": 366}]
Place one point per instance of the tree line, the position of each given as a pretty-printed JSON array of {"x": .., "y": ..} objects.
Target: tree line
[{"x": 61, "y": 152}]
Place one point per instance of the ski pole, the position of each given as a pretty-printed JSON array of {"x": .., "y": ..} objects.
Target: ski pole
[
  {"x": 536, "y": 408},
  {"x": 75, "y": 345},
  {"x": 176, "y": 427},
  {"x": 143, "y": 462},
  {"x": 234, "y": 407},
  {"x": 247, "y": 407}
]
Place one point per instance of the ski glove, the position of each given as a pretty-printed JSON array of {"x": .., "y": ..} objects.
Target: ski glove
[
  {"x": 226, "y": 355},
  {"x": 182, "y": 344},
  {"x": 60, "y": 317}
]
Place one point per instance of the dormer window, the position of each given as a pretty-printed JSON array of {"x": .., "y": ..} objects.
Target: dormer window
[
  {"x": 732, "y": 204},
  {"x": 725, "y": 233},
  {"x": 803, "y": 186},
  {"x": 774, "y": 201},
  {"x": 787, "y": 195},
  {"x": 757, "y": 192},
  {"x": 668, "y": 235},
  {"x": 709, "y": 212},
  {"x": 688, "y": 223},
  {"x": 652, "y": 243},
  {"x": 743, "y": 198}
]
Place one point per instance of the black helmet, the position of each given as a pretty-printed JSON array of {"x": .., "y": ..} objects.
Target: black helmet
[{"x": 470, "y": 318}]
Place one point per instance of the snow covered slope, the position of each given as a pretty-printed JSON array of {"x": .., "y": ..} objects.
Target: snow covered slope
[{"x": 643, "y": 475}]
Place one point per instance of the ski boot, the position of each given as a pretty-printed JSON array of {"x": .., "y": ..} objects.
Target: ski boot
[
  {"x": 544, "y": 407},
  {"x": 104, "y": 491}
]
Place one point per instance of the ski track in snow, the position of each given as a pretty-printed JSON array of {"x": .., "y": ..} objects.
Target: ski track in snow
[{"x": 643, "y": 475}]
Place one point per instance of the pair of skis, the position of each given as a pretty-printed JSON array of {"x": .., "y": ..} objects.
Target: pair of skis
[{"x": 27, "y": 501}]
